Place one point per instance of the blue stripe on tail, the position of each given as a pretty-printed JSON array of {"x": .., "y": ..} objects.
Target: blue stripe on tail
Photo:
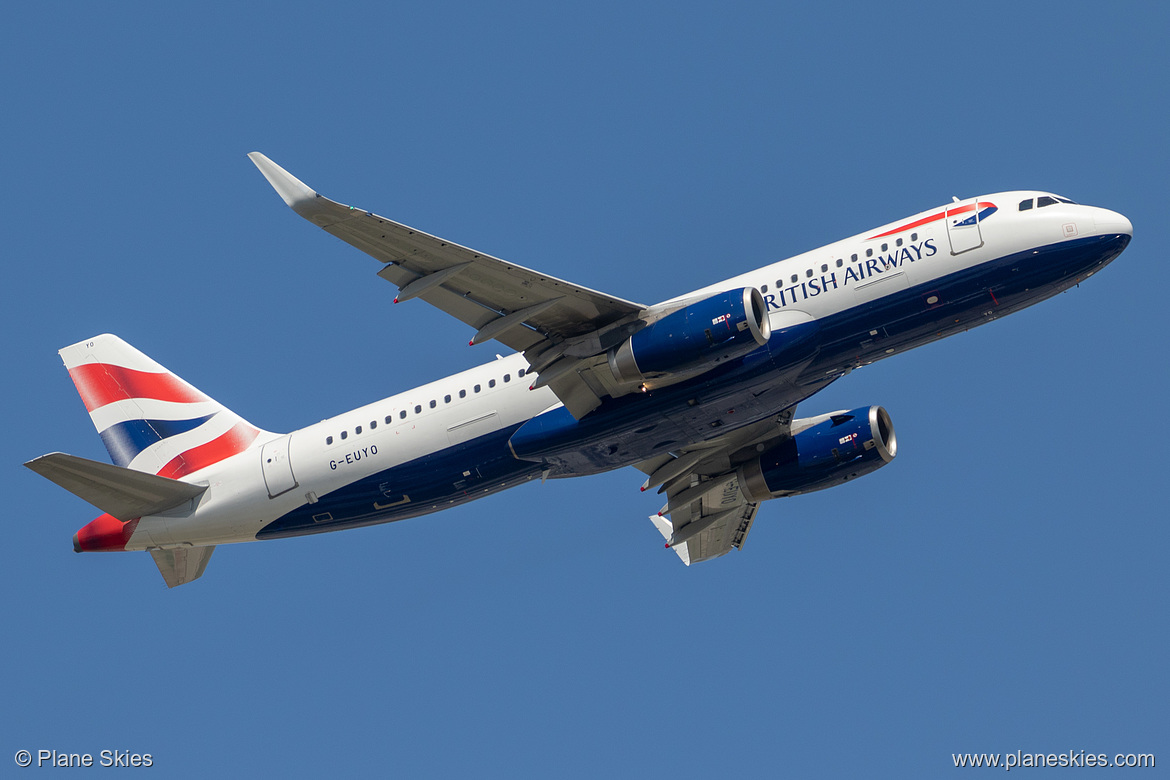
[{"x": 125, "y": 440}]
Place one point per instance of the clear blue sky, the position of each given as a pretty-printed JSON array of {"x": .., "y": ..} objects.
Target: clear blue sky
[{"x": 1001, "y": 586}]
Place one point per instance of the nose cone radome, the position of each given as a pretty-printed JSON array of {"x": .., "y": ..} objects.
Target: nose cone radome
[{"x": 1111, "y": 223}]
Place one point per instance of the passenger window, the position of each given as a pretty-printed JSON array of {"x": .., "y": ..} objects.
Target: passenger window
[
  {"x": 389, "y": 417},
  {"x": 402, "y": 415},
  {"x": 885, "y": 247},
  {"x": 345, "y": 435},
  {"x": 840, "y": 262},
  {"x": 1025, "y": 204},
  {"x": 1045, "y": 201},
  {"x": 808, "y": 273},
  {"x": 764, "y": 289},
  {"x": 913, "y": 236},
  {"x": 795, "y": 279},
  {"x": 357, "y": 430},
  {"x": 491, "y": 383},
  {"x": 462, "y": 393},
  {"x": 476, "y": 388},
  {"x": 521, "y": 373},
  {"x": 507, "y": 377},
  {"x": 328, "y": 440},
  {"x": 853, "y": 258},
  {"x": 824, "y": 267},
  {"x": 373, "y": 424},
  {"x": 418, "y": 409},
  {"x": 869, "y": 253},
  {"x": 433, "y": 403},
  {"x": 898, "y": 242}
]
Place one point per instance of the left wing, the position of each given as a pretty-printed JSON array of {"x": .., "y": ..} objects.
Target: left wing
[{"x": 561, "y": 328}]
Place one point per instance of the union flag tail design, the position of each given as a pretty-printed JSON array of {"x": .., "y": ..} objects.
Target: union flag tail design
[{"x": 149, "y": 419}]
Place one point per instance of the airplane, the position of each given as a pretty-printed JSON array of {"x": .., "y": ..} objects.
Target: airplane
[{"x": 698, "y": 392}]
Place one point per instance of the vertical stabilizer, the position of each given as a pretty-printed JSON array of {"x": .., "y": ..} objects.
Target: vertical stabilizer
[{"x": 149, "y": 419}]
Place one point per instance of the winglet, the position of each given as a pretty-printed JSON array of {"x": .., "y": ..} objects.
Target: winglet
[
  {"x": 295, "y": 192},
  {"x": 301, "y": 198}
]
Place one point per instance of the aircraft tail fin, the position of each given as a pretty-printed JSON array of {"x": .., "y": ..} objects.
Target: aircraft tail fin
[{"x": 149, "y": 419}]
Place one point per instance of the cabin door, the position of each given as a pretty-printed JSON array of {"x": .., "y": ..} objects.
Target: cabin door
[
  {"x": 963, "y": 231},
  {"x": 278, "y": 473}
]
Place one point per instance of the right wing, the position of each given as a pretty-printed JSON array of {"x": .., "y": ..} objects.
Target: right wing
[
  {"x": 562, "y": 329},
  {"x": 711, "y": 526},
  {"x": 706, "y": 514}
]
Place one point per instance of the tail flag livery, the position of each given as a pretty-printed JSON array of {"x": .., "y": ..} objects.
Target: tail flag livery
[{"x": 149, "y": 419}]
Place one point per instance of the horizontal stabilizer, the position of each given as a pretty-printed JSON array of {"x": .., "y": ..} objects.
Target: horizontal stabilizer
[
  {"x": 182, "y": 565},
  {"x": 120, "y": 492}
]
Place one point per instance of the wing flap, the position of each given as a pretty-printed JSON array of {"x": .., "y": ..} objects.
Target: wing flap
[
  {"x": 708, "y": 513},
  {"x": 706, "y": 530},
  {"x": 711, "y": 525},
  {"x": 120, "y": 492}
]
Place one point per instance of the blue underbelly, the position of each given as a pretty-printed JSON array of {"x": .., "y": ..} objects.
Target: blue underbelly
[{"x": 441, "y": 479}]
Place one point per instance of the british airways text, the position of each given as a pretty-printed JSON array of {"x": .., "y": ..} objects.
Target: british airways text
[{"x": 872, "y": 267}]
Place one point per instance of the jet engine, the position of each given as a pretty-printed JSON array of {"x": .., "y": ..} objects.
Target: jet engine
[
  {"x": 842, "y": 447},
  {"x": 694, "y": 338}
]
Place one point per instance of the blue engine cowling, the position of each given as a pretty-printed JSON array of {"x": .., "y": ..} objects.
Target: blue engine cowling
[
  {"x": 845, "y": 446},
  {"x": 726, "y": 325}
]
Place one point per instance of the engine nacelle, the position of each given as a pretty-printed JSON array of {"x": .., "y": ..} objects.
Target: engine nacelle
[
  {"x": 845, "y": 446},
  {"x": 726, "y": 325}
]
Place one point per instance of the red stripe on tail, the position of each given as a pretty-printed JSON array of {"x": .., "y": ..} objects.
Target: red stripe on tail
[
  {"x": 100, "y": 384},
  {"x": 234, "y": 441}
]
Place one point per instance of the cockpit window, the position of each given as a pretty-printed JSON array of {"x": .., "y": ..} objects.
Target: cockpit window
[
  {"x": 1025, "y": 204},
  {"x": 1045, "y": 200}
]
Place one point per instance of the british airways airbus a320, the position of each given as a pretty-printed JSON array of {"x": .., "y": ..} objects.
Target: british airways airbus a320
[{"x": 697, "y": 392}]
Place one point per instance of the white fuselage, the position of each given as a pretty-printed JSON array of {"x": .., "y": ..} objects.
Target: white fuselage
[{"x": 444, "y": 415}]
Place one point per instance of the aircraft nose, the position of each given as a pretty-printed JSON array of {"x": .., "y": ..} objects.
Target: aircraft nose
[{"x": 1110, "y": 222}]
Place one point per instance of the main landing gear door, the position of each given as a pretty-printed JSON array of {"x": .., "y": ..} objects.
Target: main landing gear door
[
  {"x": 963, "y": 226},
  {"x": 278, "y": 473}
]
